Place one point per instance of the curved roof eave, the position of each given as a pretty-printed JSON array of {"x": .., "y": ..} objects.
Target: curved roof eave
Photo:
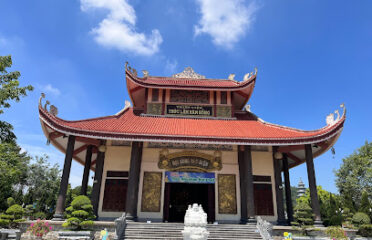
[{"x": 316, "y": 138}]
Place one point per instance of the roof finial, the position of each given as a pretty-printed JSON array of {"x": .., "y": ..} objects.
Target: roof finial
[
  {"x": 52, "y": 109},
  {"x": 131, "y": 70},
  {"x": 188, "y": 73},
  {"x": 232, "y": 76},
  {"x": 330, "y": 119},
  {"x": 41, "y": 97},
  {"x": 145, "y": 73},
  {"x": 248, "y": 75}
]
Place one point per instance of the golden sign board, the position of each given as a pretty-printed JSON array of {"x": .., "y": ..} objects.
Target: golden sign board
[{"x": 190, "y": 161}]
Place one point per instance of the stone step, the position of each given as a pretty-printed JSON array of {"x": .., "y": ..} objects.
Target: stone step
[{"x": 173, "y": 231}]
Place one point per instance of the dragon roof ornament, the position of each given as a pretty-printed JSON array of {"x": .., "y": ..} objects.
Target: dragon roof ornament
[
  {"x": 330, "y": 119},
  {"x": 188, "y": 73},
  {"x": 52, "y": 109}
]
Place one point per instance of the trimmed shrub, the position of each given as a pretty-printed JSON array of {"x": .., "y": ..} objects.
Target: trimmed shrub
[
  {"x": 13, "y": 215},
  {"x": 303, "y": 215},
  {"x": 335, "y": 220},
  {"x": 365, "y": 230},
  {"x": 347, "y": 215},
  {"x": 361, "y": 218},
  {"x": 79, "y": 214}
]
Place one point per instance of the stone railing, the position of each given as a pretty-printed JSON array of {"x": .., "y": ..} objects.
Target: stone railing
[
  {"x": 265, "y": 228},
  {"x": 120, "y": 225}
]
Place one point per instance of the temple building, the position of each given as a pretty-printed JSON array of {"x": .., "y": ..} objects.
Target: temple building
[{"x": 188, "y": 139}]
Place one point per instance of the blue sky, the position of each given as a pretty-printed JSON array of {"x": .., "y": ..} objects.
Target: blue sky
[{"x": 311, "y": 57}]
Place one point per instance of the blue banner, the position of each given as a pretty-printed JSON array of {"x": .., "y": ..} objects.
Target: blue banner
[{"x": 189, "y": 177}]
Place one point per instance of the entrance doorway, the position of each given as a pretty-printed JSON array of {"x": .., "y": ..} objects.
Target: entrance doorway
[{"x": 178, "y": 196}]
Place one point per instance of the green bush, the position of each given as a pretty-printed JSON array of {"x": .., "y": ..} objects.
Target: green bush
[
  {"x": 336, "y": 233},
  {"x": 79, "y": 214},
  {"x": 4, "y": 222},
  {"x": 365, "y": 230},
  {"x": 335, "y": 220},
  {"x": 361, "y": 218},
  {"x": 347, "y": 215},
  {"x": 13, "y": 215},
  {"x": 303, "y": 215}
]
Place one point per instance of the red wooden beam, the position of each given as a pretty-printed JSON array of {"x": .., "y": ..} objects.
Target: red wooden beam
[
  {"x": 293, "y": 157},
  {"x": 291, "y": 148},
  {"x": 93, "y": 162},
  {"x": 54, "y": 135},
  {"x": 80, "y": 149},
  {"x": 91, "y": 141}
]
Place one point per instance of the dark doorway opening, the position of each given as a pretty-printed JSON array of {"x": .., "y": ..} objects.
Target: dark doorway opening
[{"x": 178, "y": 196}]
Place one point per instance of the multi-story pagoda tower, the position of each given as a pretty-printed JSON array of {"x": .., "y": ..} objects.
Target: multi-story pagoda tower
[{"x": 187, "y": 139}]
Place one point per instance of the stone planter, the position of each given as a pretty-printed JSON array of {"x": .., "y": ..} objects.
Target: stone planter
[{"x": 77, "y": 235}]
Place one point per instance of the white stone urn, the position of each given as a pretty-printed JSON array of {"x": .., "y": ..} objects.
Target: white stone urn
[{"x": 195, "y": 223}]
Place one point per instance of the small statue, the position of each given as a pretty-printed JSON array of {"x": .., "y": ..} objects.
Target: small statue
[
  {"x": 145, "y": 73},
  {"x": 195, "y": 223}
]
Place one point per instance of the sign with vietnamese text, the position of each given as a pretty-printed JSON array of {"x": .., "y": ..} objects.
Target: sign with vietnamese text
[
  {"x": 189, "y": 110},
  {"x": 189, "y": 177}
]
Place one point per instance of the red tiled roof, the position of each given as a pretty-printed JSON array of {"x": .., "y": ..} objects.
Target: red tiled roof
[
  {"x": 191, "y": 82},
  {"x": 162, "y": 82},
  {"x": 128, "y": 125}
]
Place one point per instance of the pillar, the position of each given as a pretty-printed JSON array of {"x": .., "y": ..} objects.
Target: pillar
[
  {"x": 278, "y": 189},
  {"x": 88, "y": 160},
  {"x": 97, "y": 182},
  {"x": 288, "y": 194},
  {"x": 246, "y": 185},
  {"x": 243, "y": 188},
  {"x": 60, "y": 206},
  {"x": 312, "y": 185},
  {"x": 133, "y": 181}
]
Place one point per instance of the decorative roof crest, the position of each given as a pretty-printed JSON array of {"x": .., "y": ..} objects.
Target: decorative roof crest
[
  {"x": 145, "y": 73},
  {"x": 188, "y": 73},
  {"x": 330, "y": 119},
  {"x": 130, "y": 69},
  {"x": 52, "y": 109},
  {"x": 248, "y": 75}
]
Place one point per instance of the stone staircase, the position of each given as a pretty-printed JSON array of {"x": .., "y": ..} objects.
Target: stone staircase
[{"x": 172, "y": 231}]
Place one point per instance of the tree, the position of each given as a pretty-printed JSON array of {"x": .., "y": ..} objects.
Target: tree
[
  {"x": 10, "y": 90},
  {"x": 329, "y": 204},
  {"x": 42, "y": 185},
  {"x": 302, "y": 214},
  {"x": 355, "y": 174},
  {"x": 365, "y": 205},
  {"x": 79, "y": 214},
  {"x": 13, "y": 171},
  {"x": 13, "y": 214}
]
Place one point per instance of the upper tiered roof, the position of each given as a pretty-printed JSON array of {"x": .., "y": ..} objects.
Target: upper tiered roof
[{"x": 189, "y": 80}]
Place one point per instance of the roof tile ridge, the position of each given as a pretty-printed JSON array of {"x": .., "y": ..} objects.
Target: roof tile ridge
[
  {"x": 117, "y": 115},
  {"x": 193, "y": 79},
  {"x": 143, "y": 79},
  {"x": 342, "y": 119},
  {"x": 187, "y": 117}
]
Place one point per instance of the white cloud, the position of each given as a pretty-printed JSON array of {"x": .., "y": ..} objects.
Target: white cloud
[
  {"x": 225, "y": 21},
  {"x": 117, "y": 30},
  {"x": 49, "y": 89}
]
